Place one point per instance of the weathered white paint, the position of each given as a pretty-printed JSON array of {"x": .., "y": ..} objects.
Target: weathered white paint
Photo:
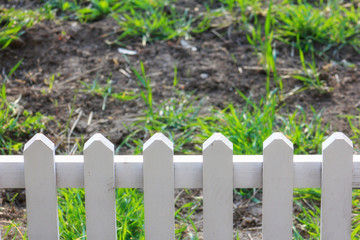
[
  {"x": 218, "y": 188},
  {"x": 40, "y": 186},
  {"x": 336, "y": 191},
  {"x": 99, "y": 181},
  {"x": 158, "y": 175},
  {"x": 277, "y": 188},
  {"x": 188, "y": 171}
]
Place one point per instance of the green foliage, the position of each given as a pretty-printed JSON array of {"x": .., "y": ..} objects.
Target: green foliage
[
  {"x": 16, "y": 125},
  {"x": 261, "y": 38},
  {"x": 150, "y": 20},
  {"x": 183, "y": 118},
  {"x": 310, "y": 75},
  {"x": 354, "y": 123},
  {"x": 333, "y": 25},
  {"x": 308, "y": 201},
  {"x": 18, "y": 234},
  {"x": 248, "y": 127},
  {"x": 176, "y": 117},
  {"x": 153, "y": 22},
  {"x": 13, "y": 22},
  {"x": 107, "y": 91},
  {"x": 129, "y": 212},
  {"x": 83, "y": 10}
]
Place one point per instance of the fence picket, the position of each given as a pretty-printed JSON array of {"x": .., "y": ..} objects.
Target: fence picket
[
  {"x": 277, "y": 188},
  {"x": 217, "y": 171},
  {"x": 40, "y": 185},
  {"x": 218, "y": 188},
  {"x": 336, "y": 188},
  {"x": 99, "y": 181},
  {"x": 158, "y": 175}
]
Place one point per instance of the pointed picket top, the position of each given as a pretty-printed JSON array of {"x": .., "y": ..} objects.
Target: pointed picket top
[
  {"x": 278, "y": 175},
  {"x": 98, "y": 137},
  {"x": 39, "y": 138},
  {"x": 337, "y": 136},
  {"x": 218, "y": 185},
  {"x": 158, "y": 180},
  {"x": 217, "y": 137},
  {"x": 336, "y": 187},
  {"x": 41, "y": 199},
  {"x": 158, "y": 137},
  {"x": 277, "y": 136},
  {"x": 99, "y": 182}
]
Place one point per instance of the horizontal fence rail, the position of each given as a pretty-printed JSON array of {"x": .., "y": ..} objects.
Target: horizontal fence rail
[
  {"x": 187, "y": 171},
  {"x": 158, "y": 171}
]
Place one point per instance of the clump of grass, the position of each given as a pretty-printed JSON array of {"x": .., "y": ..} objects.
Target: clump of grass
[
  {"x": 333, "y": 25},
  {"x": 249, "y": 126},
  {"x": 354, "y": 124},
  {"x": 261, "y": 38},
  {"x": 83, "y": 10},
  {"x": 13, "y": 22},
  {"x": 149, "y": 20},
  {"x": 308, "y": 201},
  {"x": 107, "y": 91},
  {"x": 310, "y": 75},
  {"x": 175, "y": 117},
  {"x": 16, "y": 124},
  {"x": 153, "y": 20}
]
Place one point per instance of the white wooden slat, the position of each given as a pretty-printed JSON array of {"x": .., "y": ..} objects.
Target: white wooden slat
[
  {"x": 336, "y": 188},
  {"x": 40, "y": 186},
  {"x": 158, "y": 175},
  {"x": 99, "y": 181},
  {"x": 70, "y": 171},
  {"x": 218, "y": 188},
  {"x": 188, "y": 171},
  {"x": 12, "y": 171},
  {"x": 278, "y": 185}
]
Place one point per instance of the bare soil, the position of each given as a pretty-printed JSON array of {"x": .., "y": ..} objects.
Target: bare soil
[{"x": 216, "y": 64}]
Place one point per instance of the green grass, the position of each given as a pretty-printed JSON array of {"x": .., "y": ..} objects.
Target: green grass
[
  {"x": 16, "y": 124},
  {"x": 129, "y": 214},
  {"x": 13, "y": 22},
  {"x": 261, "y": 38},
  {"x": 310, "y": 75},
  {"x": 331, "y": 26},
  {"x": 188, "y": 121},
  {"x": 247, "y": 127},
  {"x": 149, "y": 20},
  {"x": 106, "y": 91},
  {"x": 308, "y": 200}
]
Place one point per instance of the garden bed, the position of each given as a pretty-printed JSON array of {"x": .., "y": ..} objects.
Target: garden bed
[{"x": 82, "y": 81}]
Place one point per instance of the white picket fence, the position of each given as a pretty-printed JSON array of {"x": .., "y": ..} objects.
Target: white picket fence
[{"x": 158, "y": 172}]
